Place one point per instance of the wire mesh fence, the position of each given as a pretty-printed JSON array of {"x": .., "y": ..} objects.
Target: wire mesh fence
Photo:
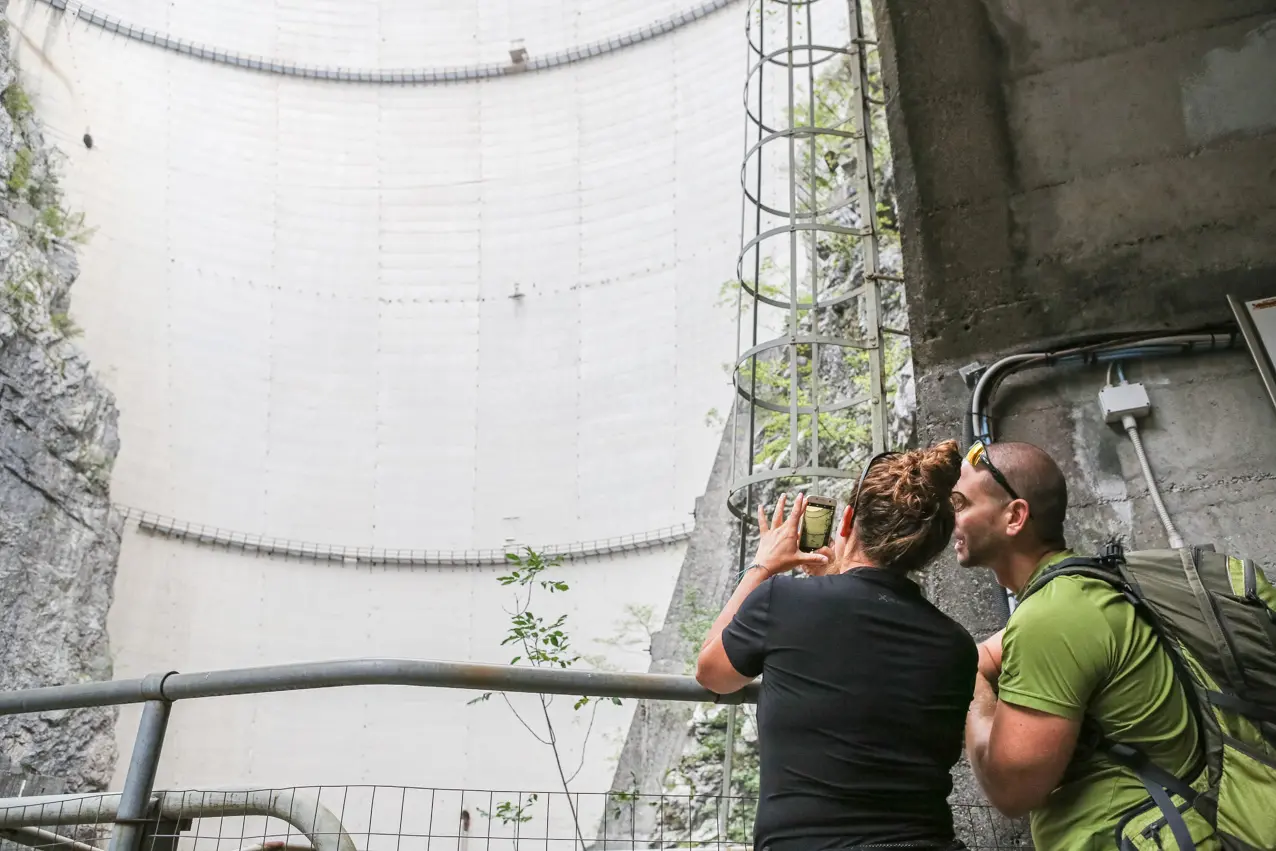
[{"x": 403, "y": 818}]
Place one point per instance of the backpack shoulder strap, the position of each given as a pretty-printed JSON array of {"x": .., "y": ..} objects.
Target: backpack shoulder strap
[
  {"x": 1190, "y": 557},
  {"x": 1160, "y": 785},
  {"x": 1094, "y": 568}
]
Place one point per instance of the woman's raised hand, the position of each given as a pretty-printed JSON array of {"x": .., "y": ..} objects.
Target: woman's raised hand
[{"x": 778, "y": 545}]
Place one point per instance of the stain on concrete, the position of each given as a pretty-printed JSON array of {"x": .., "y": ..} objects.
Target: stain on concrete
[
  {"x": 1234, "y": 90},
  {"x": 1100, "y": 472}
]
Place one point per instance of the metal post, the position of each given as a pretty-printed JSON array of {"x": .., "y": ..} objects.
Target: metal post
[
  {"x": 135, "y": 800},
  {"x": 865, "y": 177},
  {"x": 724, "y": 811}
]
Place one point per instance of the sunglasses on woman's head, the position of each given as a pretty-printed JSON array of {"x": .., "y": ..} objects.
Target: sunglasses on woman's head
[
  {"x": 978, "y": 454},
  {"x": 855, "y": 500}
]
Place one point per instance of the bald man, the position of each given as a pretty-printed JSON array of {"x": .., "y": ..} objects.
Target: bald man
[{"x": 1076, "y": 648}]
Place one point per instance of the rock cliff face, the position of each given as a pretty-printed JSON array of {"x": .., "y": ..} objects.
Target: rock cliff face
[{"x": 59, "y": 538}]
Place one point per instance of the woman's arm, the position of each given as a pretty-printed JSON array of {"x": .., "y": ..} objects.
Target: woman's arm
[
  {"x": 714, "y": 670},
  {"x": 777, "y": 552}
]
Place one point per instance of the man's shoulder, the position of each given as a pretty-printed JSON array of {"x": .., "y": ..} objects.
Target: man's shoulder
[
  {"x": 1064, "y": 604},
  {"x": 1067, "y": 590}
]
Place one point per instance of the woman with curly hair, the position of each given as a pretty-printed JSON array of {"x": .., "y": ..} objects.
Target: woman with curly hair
[{"x": 865, "y": 683}]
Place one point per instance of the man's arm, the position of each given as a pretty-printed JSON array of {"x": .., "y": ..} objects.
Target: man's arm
[
  {"x": 1018, "y": 754},
  {"x": 1021, "y": 737},
  {"x": 990, "y": 656}
]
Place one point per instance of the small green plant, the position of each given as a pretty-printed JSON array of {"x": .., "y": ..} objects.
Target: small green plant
[
  {"x": 24, "y": 287},
  {"x": 64, "y": 325},
  {"x": 54, "y": 218},
  {"x": 508, "y": 813},
  {"x": 63, "y": 225},
  {"x": 775, "y": 285},
  {"x": 635, "y": 631},
  {"x": 545, "y": 643},
  {"x": 16, "y": 102},
  {"x": 17, "y": 293},
  {"x": 619, "y": 798},
  {"x": 20, "y": 174}
]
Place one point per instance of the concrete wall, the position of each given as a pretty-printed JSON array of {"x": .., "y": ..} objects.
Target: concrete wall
[
  {"x": 301, "y": 293},
  {"x": 1062, "y": 164},
  {"x": 1073, "y": 169}
]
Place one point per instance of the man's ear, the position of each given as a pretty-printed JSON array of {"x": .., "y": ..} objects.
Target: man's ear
[{"x": 1017, "y": 517}]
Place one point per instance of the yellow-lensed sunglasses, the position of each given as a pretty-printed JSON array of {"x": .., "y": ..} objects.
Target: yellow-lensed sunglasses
[{"x": 978, "y": 454}]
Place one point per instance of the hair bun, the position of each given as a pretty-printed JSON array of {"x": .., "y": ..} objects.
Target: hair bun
[
  {"x": 905, "y": 515},
  {"x": 919, "y": 482},
  {"x": 940, "y": 467}
]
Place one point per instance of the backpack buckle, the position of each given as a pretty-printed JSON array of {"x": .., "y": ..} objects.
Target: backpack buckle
[{"x": 1113, "y": 554}]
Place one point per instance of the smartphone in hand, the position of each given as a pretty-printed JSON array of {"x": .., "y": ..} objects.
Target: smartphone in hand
[{"x": 817, "y": 523}]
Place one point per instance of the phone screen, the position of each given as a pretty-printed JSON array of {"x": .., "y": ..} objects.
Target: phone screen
[{"x": 817, "y": 526}]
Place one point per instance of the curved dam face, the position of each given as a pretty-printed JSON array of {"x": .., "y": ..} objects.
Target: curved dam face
[{"x": 423, "y": 317}]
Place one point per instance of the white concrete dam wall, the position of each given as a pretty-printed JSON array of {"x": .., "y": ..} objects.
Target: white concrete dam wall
[{"x": 303, "y": 294}]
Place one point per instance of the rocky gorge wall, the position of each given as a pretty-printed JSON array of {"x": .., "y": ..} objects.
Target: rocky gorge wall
[{"x": 59, "y": 536}]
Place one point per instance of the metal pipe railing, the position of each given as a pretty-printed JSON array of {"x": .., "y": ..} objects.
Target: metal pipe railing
[
  {"x": 364, "y": 672},
  {"x": 34, "y": 837},
  {"x": 305, "y": 813},
  {"x": 158, "y": 691}
]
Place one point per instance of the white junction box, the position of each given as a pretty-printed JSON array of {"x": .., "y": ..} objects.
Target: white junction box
[
  {"x": 1124, "y": 400},
  {"x": 1257, "y": 320}
]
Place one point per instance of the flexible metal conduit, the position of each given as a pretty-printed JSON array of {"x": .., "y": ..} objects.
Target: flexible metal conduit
[
  {"x": 197, "y": 533},
  {"x": 979, "y": 423},
  {"x": 1154, "y": 490},
  {"x": 416, "y": 76},
  {"x": 364, "y": 672},
  {"x": 1120, "y": 349}
]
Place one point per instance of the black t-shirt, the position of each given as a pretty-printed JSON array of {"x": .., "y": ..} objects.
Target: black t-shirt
[{"x": 865, "y": 688}]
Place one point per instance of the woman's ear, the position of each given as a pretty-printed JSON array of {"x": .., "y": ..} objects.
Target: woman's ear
[{"x": 848, "y": 520}]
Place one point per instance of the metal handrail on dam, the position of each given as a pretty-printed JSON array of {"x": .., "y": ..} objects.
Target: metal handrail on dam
[
  {"x": 249, "y": 543},
  {"x": 137, "y": 802},
  {"x": 387, "y": 76},
  {"x": 170, "y": 687}
]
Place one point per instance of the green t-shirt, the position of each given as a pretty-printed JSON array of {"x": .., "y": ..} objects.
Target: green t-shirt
[{"x": 1078, "y": 647}]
